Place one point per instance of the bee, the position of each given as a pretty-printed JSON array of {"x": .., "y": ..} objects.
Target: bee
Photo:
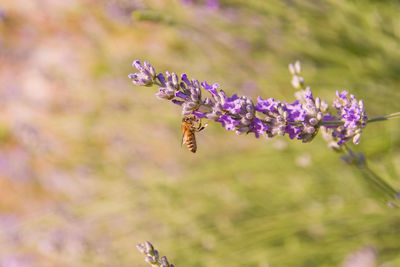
[{"x": 189, "y": 129}]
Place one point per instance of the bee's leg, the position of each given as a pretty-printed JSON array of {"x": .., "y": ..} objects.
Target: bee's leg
[{"x": 200, "y": 128}]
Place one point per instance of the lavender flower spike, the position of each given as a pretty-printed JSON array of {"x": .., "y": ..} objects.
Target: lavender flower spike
[
  {"x": 301, "y": 119},
  {"x": 151, "y": 255}
]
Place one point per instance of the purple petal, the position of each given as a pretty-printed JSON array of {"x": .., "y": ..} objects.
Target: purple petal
[{"x": 228, "y": 122}]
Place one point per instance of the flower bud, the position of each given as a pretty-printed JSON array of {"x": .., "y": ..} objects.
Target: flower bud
[
  {"x": 222, "y": 96},
  {"x": 317, "y": 102},
  {"x": 164, "y": 262},
  {"x": 297, "y": 67},
  {"x": 324, "y": 106},
  {"x": 280, "y": 119},
  {"x": 141, "y": 248},
  {"x": 356, "y": 139},
  {"x": 313, "y": 121},
  {"x": 361, "y": 104},
  {"x": 245, "y": 121},
  {"x": 175, "y": 81},
  {"x": 292, "y": 69},
  {"x": 297, "y": 82},
  {"x": 136, "y": 64},
  {"x": 242, "y": 130},
  {"x": 309, "y": 130},
  {"x": 150, "y": 260},
  {"x": 320, "y": 115},
  {"x": 249, "y": 116},
  {"x": 150, "y": 69}
]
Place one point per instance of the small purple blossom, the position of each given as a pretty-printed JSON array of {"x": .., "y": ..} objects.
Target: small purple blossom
[
  {"x": 292, "y": 131},
  {"x": 295, "y": 111},
  {"x": 351, "y": 112},
  {"x": 145, "y": 76},
  {"x": 228, "y": 122},
  {"x": 266, "y": 106},
  {"x": 258, "y": 127}
]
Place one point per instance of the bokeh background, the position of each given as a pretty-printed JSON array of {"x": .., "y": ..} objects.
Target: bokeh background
[{"x": 91, "y": 165}]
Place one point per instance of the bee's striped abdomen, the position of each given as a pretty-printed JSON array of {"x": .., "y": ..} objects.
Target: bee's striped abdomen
[{"x": 191, "y": 142}]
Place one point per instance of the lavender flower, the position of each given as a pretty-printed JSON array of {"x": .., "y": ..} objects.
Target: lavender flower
[
  {"x": 145, "y": 76},
  {"x": 300, "y": 119},
  {"x": 353, "y": 116},
  {"x": 151, "y": 255}
]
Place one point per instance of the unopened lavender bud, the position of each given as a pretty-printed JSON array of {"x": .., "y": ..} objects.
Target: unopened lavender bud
[
  {"x": 149, "y": 247},
  {"x": 196, "y": 83},
  {"x": 222, "y": 95},
  {"x": 132, "y": 76},
  {"x": 317, "y": 102},
  {"x": 195, "y": 94},
  {"x": 361, "y": 104},
  {"x": 281, "y": 110},
  {"x": 150, "y": 260},
  {"x": 281, "y": 131},
  {"x": 150, "y": 69},
  {"x": 146, "y": 82},
  {"x": 280, "y": 119},
  {"x": 292, "y": 69},
  {"x": 175, "y": 80},
  {"x": 242, "y": 130},
  {"x": 297, "y": 66},
  {"x": 245, "y": 121},
  {"x": 190, "y": 105},
  {"x": 297, "y": 82},
  {"x": 268, "y": 119},
  {"x": 356, "y": 139},
  {"x": 310, "y": 107},
  {"x": 141, "y": 248},
  {"x": 249, "y": 116},
  {"x": 164, "y": 262},
  {"x": 136, "y": 64},
  {"x": 314, "y": 121},
  {"x": 250, "y": 108},
  {"x": 324, "y": 106},
  {"x": 182, "y": 85},
  {"x": 309, "y": 130},
  {"x": 162, "y": 94},
  {"x": 320, "y": 115}
]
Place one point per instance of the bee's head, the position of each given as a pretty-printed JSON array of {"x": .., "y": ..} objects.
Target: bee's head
[{"x": 188, "y": 119}]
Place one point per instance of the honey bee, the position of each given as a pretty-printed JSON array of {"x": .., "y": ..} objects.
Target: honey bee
[{"x": 189, "y": 129}]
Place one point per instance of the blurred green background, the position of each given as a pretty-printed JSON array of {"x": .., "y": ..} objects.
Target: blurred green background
[{"x": 91, "y": 165}]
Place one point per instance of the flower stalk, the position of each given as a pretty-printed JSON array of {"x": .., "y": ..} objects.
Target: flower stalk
[{"x": 302, "y": 119}]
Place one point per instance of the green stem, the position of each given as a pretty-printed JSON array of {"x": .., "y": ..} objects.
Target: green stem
[
  {"x": 385, "y": 117},
  {"x": 338, "y": 123}
]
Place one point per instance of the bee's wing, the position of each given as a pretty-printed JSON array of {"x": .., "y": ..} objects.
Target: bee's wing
[{"x": 184, "y": 136}]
